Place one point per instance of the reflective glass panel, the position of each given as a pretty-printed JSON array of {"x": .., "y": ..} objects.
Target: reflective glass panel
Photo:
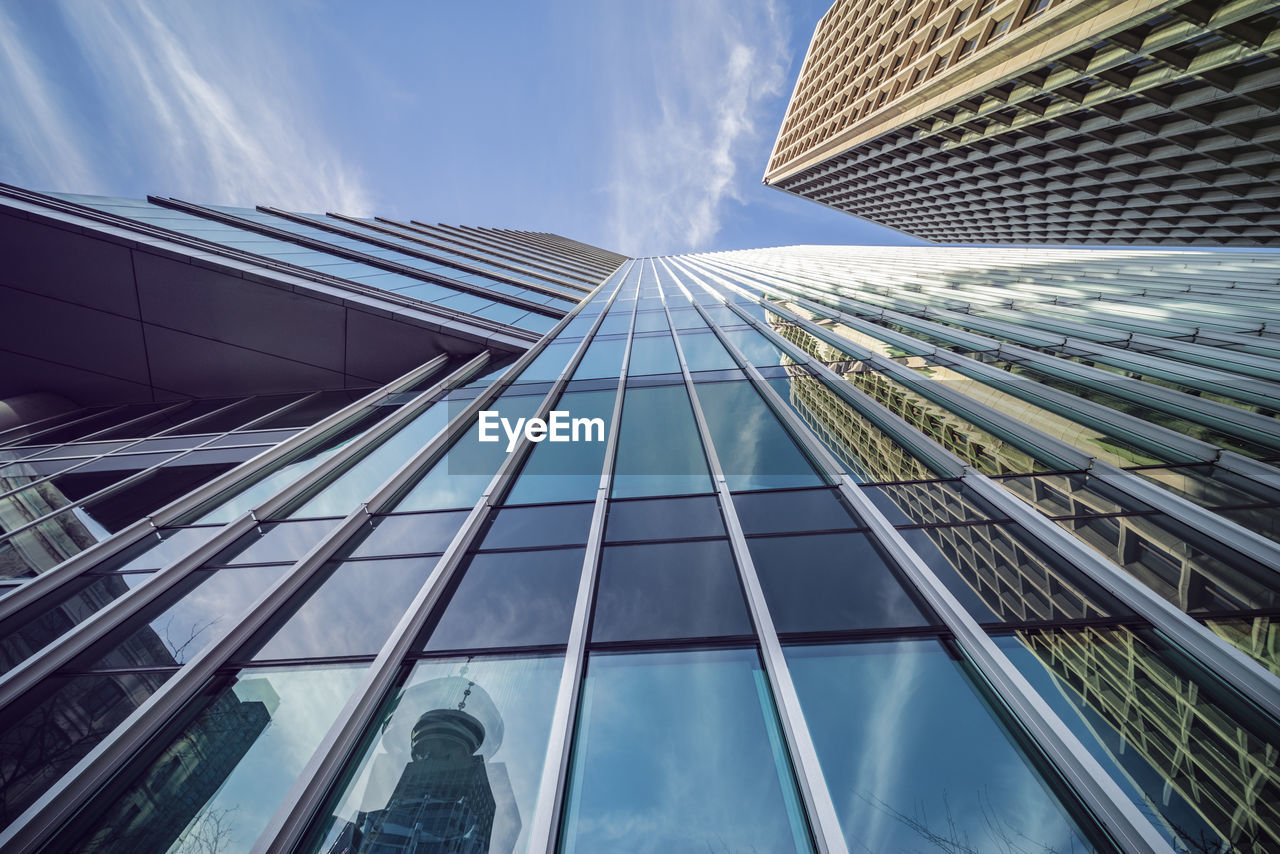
[
  {"x": 830, "y": 582},
  {"x": 344, "y": 493},
  {"x": 664, "y": 519},
  {"x": 508, "y": 599},
  {"x": 704, "y": 352},
  {"x": 453, "y": 762},
  {"x": 792, "y": 511},
  {"x": 350, "y": 609},
  {"x": 222, "y": 776},
  {"x": 51, "y": 728},
  {"x": 171, "y": 631},
  {"x": 569, "y": 471},
  {"x": 529, "y": 527},
  {"x": 407, "y": 534},
  {"x": 668, "y": 590},
  {"x": 603, "y": 358},
  {"x": 937, "y": 503},
  {"x": 679, "y": 752},
  {"x": 1201, "y": 769},
  {"x": 913, "y": 757},
  {"x": 652, "y": 354},
  {"x": 754, "y": 450},
  {"x": 659, "y": 450},
  {"x": 275, "y": 542},
  {"x": 1001, "y": 575},
  {"x": 459, "y": 478}
]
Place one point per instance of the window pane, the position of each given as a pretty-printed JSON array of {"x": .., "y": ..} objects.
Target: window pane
[
  {"x": 508, "y": 599},
  {"x": 454, "y": 765},
  {"x": 220, "y": 778},
  {"x": 664, "y": 519},
  {"x": 758, "y": 349},
  {"x": 668, "y": 590},
  {"x": 276, "y": 542},
  {"x": 652, "y": 354},
  {"x": 459, "y": 478},
  {"x": 344, "y": 493},
  {"x": 704, "y": 352},
  {"x": 659, "y": 450},
  {"x": 603, "y": 358},
  {"x": 528, "y": 527},
  {"x": 937, "y": 503},
  {"x": 680, "y": 753},
  {"x": 913, "y": 757},
  {"x": 792, "y": 511},
  {"x": 754, "y": 449},
  {"x": 568, "y": 471},
  {"x": 830, "y": 582},
  {"x": 350, "y": 609},
  {"x": 407, "y": 534}
]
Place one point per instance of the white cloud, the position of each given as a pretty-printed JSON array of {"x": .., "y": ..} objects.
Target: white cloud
[
  {"x": 199, "y": 101},
  {"x": 677, "y": 167}
]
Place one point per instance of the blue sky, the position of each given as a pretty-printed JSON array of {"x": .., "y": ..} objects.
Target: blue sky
[{"x": 639, "y": 126}]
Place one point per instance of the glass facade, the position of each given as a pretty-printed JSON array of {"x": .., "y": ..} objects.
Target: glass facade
[{"x": 855, "y": 561}]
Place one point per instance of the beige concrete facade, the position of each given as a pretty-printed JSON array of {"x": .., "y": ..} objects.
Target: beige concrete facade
[{"x": 1033, "y": 121}]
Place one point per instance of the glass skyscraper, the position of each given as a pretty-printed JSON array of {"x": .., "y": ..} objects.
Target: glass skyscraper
[{"x": 955, "y": 550}]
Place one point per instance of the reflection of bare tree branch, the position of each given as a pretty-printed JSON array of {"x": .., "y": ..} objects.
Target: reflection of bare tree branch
[
  {"x": 950, "y": 839},
  {"x": 210, "y": 833},
  {"x": 179, "y": 648}
]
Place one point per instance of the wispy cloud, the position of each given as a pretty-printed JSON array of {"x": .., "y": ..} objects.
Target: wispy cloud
[
  {"x": 38, "y": 135},
  {"x": 679, "y": 163},
  {"x": 195, "y": 101}
]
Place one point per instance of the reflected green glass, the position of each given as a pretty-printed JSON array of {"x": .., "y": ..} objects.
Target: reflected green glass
[
  {"x": 680, "y": 752},
  {"x": 459, "y": 478},
  {"x": 754, "y": 449},
  {"x": 452, "y": 764},
  {"x": 345, "y": 492},
  {"x": 568, "y": 471},
  {"x": 913, "y": 757},
  {"x": 659, "y": 450},
  {"x": 214, "y": 785}
]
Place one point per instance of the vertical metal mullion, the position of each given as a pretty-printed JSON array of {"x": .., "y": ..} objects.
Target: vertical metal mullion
[
  {"x": 553, "y": 784},
  {"x": 308, "y": 793},
  {"x": 820, "y": 810},
  {"x": 46, "y": 582},
  {"x": 71, "y": 643},
  {"x": 1096, "y": 789}
]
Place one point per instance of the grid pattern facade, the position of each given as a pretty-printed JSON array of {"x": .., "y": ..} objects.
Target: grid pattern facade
[
  {"x": 876, "y": 550},
  {"x": 1038, "y": 122}
]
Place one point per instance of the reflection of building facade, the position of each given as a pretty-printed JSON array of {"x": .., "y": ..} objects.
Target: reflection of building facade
[{"x": 1228, "y": 780}]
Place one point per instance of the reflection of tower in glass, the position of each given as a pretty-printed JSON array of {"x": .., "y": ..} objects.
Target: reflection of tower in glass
[{"x": 447, "y": 798}]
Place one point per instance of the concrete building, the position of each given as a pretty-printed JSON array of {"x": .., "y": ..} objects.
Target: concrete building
[{"x": 1042, "y": 121}]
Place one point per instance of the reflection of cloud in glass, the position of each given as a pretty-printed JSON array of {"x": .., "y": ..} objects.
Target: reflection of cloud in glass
[
  {"x": 673, "y": 757},
  {"x": 913, "y": 757}
]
